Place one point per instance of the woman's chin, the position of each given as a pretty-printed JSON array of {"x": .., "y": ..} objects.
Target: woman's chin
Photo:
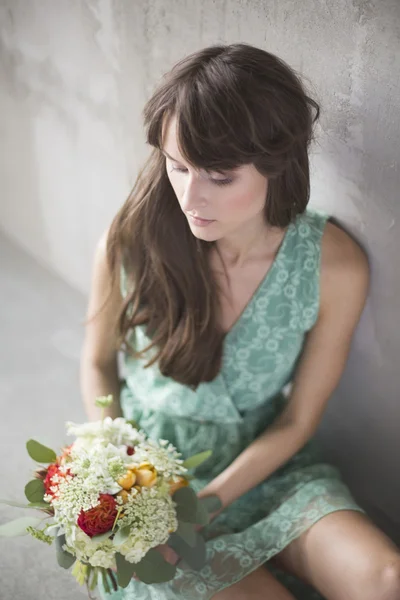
[{"x": 208, "y": 234}]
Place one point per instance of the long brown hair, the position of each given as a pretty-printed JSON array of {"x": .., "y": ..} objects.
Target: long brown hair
[{"x": 235, "y": 104}]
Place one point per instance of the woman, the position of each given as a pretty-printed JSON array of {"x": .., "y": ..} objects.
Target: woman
[{"x": 228, "y": 288}]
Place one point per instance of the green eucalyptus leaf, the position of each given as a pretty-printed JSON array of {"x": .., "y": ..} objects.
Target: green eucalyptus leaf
[
  {"x": 211, "y": 503},
  {"x": 202, "y": 515},
  {"x": 186, "y": 501},
  {"x": 197, "y": 459},
  {"x": 34, "y": 490},
  {"x": 153, "y": 568},
  {"x": 121, "y": 536},
  {"x": 64, "y": 559},
  {"x": 194, "y": 556},
  {"x": 30, "y": 505},
  {"x": 12, "y": 503},
  {"x": 43, "y": 504},
  {"x": 187, "y": 532},
  {"x": 40, "y": 453},
  {"x": 125, "y": 570},
  {"x": 53, "y": 529},
  {"x": 18, "y": 526}
]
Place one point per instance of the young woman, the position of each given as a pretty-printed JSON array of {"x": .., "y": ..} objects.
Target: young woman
[{"x": 222, "y": 287}]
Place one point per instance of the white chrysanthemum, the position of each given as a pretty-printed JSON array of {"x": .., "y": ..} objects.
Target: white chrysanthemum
[
  {"x": 135, "y": 550},
  {"x": 103, "y": 558},
  {"x": 98, "y": 554},
  {"x": 114, "y": 431},
  {"x": 164, "y": 457},
  {"x": 152, "y": 518}
]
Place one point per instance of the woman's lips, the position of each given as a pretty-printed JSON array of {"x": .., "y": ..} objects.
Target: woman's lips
[{"x": 200, "y": 222}]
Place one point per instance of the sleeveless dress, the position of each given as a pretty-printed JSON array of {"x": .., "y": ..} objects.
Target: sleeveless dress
[{"x": 225, "y": 415}]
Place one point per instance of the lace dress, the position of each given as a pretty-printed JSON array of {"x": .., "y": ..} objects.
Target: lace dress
[{"x": 260, "y": 355}]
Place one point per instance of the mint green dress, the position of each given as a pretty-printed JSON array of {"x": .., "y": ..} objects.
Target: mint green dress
[{"x": 260, "y": 356}]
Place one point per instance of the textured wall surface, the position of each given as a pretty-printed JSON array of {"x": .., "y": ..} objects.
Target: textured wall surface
[{"x": 74, "y": 76}]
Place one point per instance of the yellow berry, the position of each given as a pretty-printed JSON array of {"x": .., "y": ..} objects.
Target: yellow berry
[
  {"x": 146, "y": 477},
  {"x": 127, "y": 480},
  {"x": 124, "y": 495}
]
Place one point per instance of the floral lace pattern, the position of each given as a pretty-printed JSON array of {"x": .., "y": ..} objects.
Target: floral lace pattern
[{"x": 260, "y": 356}]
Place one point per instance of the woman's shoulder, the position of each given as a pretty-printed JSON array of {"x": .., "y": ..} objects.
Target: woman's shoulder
[
  {"x": 344, "y": 263},
  {"x": 340, "y": 249}
]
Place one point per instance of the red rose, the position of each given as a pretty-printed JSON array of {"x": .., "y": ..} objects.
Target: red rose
[
  {"x": 100, "y": 518},
  {"x": 52, "y": 470},
  {"x": 130, "y": 450}
]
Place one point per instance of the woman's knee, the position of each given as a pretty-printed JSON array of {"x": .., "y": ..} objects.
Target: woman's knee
[{"x": 388, "y": 580}]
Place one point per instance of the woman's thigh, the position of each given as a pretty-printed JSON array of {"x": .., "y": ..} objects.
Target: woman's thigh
[
  {"x": 258, "y": 585},
  {"x": 345, "y": 557}
]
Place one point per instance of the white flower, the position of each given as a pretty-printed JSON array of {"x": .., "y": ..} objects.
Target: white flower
[
  {"x": 152, "y": 518},
  {"x": 134, "y": 553},
  {"x": 115, "y": 431},
  {"x": 102, "y": 558},
  {"x": 164, "y": 458},
  {"x": 98, "y": 554},
  {"x": 97, "y": 460}
]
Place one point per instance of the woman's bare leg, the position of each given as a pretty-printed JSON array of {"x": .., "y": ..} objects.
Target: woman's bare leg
[
  {"x": 346, "y": 557},
  {"x": 258, "y": 585}
]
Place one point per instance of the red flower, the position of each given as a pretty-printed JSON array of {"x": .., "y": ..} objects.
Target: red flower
[
  {"x": 130, "y": 450},
  {"x": 66, "y": 451},
  {"x": 100, "y": 518},
  {"x": 52, "y": 470}
]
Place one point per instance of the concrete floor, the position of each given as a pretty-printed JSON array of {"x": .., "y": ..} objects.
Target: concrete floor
[{"x": 41, "y": 333}]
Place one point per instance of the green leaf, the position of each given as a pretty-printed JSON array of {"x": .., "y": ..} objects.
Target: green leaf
[
  {"x": 34, "y": 490},
  {"x": 189, "y": 508},
  {"x": 101, "y": 537},
  {"x": 186, "y": 500},
  {"x": 202, "y": 515},
  {"x": 30, "y": 505},
  {"x": 125, "y": 570},
  {"x": 121, "y": 536},
  {"x": 43, "y": 504},
  {"x": 211, "y": 503},
  {"x": 187, "y": 532},
  {"x": 194, "y": 556},
  {"x": 40, "y": 453},
  {"x": 133, "y": 423},
  {"x": 12, "y": 503},
  {"x": 197, "y": 459},
  {"x": 53, "y": 529},
  {"x": 153, "y": 568},
  {"x": 64, "y": 559},
  {"x": 18, "y": 526}
]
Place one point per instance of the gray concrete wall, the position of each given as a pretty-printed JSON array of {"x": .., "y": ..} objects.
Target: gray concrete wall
[{"x": 74, "y": 77}]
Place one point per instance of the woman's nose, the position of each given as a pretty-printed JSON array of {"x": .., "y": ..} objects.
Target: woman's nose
[{"x": 192, "y": 197}]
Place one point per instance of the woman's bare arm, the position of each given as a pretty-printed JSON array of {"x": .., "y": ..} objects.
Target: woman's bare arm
[
  {"x": 98, "y": 367},
  {"x": 344, "y": 288}
]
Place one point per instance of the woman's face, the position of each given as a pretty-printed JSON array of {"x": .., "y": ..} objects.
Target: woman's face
[{"x": 227, "y": 202}]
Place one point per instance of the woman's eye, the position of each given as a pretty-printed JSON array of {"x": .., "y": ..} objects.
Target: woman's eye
[{"x": 216, "y": 181}]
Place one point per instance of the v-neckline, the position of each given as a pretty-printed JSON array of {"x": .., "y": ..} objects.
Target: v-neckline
[{"x": 262, "y": 283}]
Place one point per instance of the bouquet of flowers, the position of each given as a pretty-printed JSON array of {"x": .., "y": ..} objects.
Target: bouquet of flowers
[{"x": 109, "y": 499}]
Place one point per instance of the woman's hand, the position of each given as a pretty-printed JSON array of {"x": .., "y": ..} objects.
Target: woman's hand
[{"x": 168, "y": 553}]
